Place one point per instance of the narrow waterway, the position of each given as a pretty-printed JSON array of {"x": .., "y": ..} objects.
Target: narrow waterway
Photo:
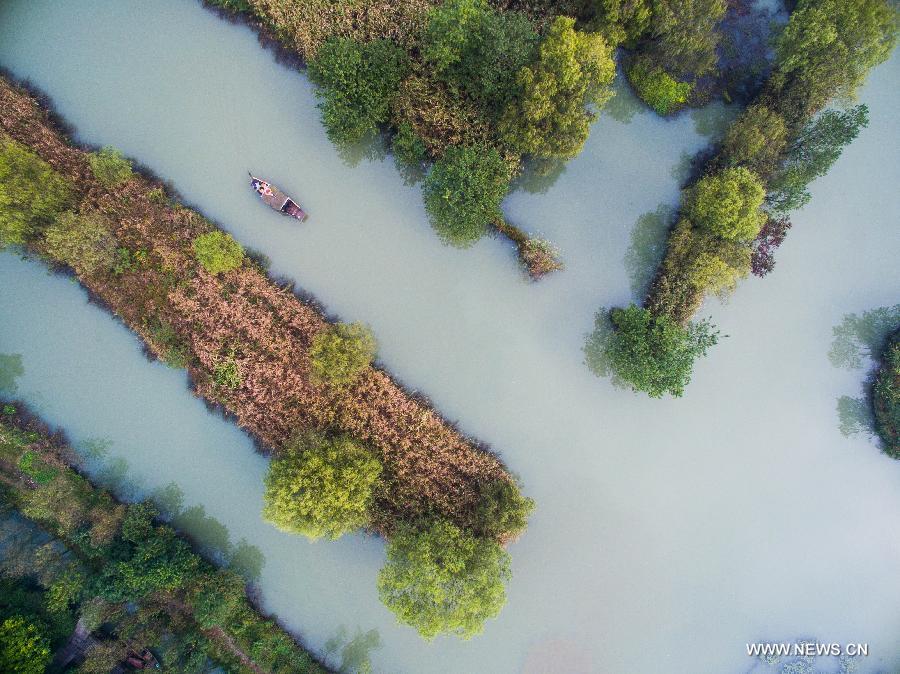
[{"x": 668, "y": 533}]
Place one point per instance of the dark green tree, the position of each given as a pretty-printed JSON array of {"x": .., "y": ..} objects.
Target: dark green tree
[
  {"x": 357, "y": 82},
  {"x": 649, "y": 353},
  {"x": 463, "y": 192},
  {"x": 826, "y": 50},
  {"x": 479, "y": 50}
]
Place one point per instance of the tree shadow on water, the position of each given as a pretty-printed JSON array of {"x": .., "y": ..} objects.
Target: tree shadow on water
[
  {"x": 373, "y": 147},
  {"x": 862, "y": 336},
  {"x": 624, "y": 105},
  {"x": 859, "y": 338},
  {"x": 355, "y": 653},
  {"x": 648, "y": 245},
  {"x": 11, "y": 368}
]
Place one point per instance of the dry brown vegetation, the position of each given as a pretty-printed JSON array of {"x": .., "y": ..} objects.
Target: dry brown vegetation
[{"x": 429, "y": 467}]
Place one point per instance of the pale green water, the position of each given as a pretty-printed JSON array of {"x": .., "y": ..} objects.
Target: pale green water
[{"x": 668, "y": 533}]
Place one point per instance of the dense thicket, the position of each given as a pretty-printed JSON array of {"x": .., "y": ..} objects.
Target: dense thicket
[
  {"x": 886, "y": 396},
  {"x": 732, "y": 216},
  {"x": 125, "y": 575}
]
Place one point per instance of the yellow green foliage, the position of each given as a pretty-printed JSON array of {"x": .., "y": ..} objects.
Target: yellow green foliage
[
  {"x": 82, "y": 241},
  {"x": 110, "y": 166},
  {"x": 439, "y": 579},
  {"x": 32, "y": 194},
  {"x": 321, "y": 486},
  {"x": 218, "y": 252},
  {"x": 24, "y": 647},
  {"x": 549, "y": 117},
  {"x": 339, "y": 353},
  {"x": 727, "y": 204}
]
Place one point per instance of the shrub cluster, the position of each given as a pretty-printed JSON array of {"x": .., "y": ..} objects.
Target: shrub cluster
[
  {"x": 732, "y": 216},
  {"x": 341, "y": 352},
  {"x": 886, "y": 397},
  {"x": 110, "y": 166},
  {"x": 127, "y": 570},
  {"x": 321, "y": 486},
  {"x": 218, "y": 252}
]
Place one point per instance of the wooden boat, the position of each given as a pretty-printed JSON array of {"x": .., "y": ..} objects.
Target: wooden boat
[{"x": 276, "y": 199}]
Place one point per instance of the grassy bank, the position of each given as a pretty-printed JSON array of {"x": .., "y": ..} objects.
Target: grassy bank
[
  {"x": 735, "y": 214},
  {"x": 123, "y": 576},
  {"x": 251, "y": 347}
]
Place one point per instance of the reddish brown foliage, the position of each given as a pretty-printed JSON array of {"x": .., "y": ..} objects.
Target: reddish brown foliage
[{"x": 429, "y": 466}]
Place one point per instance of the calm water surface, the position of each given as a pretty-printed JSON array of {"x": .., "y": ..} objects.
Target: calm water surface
[{"x": 668, "y": 533}]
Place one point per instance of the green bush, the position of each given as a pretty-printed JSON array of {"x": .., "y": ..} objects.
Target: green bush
[
  {"x": 727, "y": 204},
  {"x": 32, "y": 194},
  {"x": 408, "y": 147},
  {"x": 657, "y": 88},
  {"x": 463, "y": 192},
  {"x": 218, "y": 252},
  {"x": 826, "y": 50},
  {"x": 110, "y": 166},
  {"x": 502, "y": 510},
  {"x": 549, "y": 117},
  {"x": 886, "y": 397},
  {"x": 357, "y": 82},
  {"x": 36, "y": 469},
  {"x": 479, "y": 50},
  {"x": 649, "y": 353},
  {"x": 440, "y": 579},
  {"x": 755, "y": 140},
  {"x": 321, "y": 486},
  {"x": 174, "y": 351},
  {"x": 341, "y": 352},
  {"x": 227, "y": 374},
  {"x": 24, "y": 646},
  {"x": 82, "y": 241}
]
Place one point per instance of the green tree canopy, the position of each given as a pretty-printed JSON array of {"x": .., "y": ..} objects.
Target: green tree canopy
[
  {"x": 549, "y": 117},
  {"x": 727, "y": 204},
  {"x": 886, "y": 397},
  {"x": 218, "y": 252},
  {"x": 110, "y": 166},
  {"x": 321, "y": 486},
  {"x": 649, "y": 353},
  {"x": 148, "y": 558},
  {"x": 755, "y": 140},
  {"x": 32, "y": 194},
  {"x": 828, "y": 47},
  {"x": 463, "y": 192},
  {"x": 628, "y": 20},
  {"x": 479, "y": 50},
  {"x": 341, "y": 352},
  {"x": 502, "y": 511},
  {"x": 24, "y": 646},
  {"x": 82, "y": 241},
  {"x": 358, "y": 81},
  {"x": 440, "y": 579},
  {"x": 813, "y": 154},
  {"x": 656, "y": 87},
  {"x": 685, "y": 35}
]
